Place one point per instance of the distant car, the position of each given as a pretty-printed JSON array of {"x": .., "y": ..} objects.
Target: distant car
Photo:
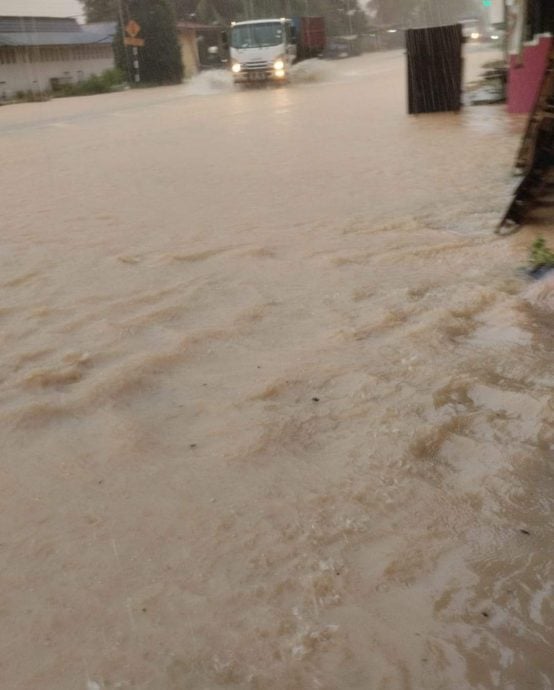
[
  {"x": 474, "y": 33},
  {"x": 213, "y": 58},
  {"x": 496, "y": 35},
  {"x": 342, "y": 47}
]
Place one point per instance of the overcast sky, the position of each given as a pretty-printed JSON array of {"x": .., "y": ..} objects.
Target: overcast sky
[{"x": 42, "y": 8}]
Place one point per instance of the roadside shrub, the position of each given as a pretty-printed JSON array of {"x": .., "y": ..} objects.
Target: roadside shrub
[
  {"x": 32, "y": 96},
  {"x": 541, "y": 256},
  {"x": 110, "y": 80}
]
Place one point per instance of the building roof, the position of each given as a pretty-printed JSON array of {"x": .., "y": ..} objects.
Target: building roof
[
  {"x": 194, "y": 26},
  {"x": 53, "y": 31},
  {"x": 261, "y": 21}
]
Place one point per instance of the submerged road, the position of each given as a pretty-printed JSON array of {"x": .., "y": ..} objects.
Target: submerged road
[{"x": 275, "y": 404}]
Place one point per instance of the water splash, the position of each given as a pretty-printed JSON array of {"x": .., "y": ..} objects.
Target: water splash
[
  {"x": 209, "y": 83},
  {"x": 311, "y": 71},
  {"x": 541, "y": 294}
]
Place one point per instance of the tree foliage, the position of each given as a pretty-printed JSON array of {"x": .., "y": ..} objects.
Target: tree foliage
[
  {"x": 160, "y": 59},
  {"x": 109, "y": 10},
  {"x": 541, "y": 255},
  {"x": 411, "y": 13},
  {"x": 341, "y": 16},
  {"x": 100, "y": 10}
]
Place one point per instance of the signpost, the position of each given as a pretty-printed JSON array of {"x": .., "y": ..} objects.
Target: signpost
[{"x": 132, "y": 30}]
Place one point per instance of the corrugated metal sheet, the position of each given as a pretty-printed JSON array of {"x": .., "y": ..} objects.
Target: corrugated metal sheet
[
  {"x": 10, "y": 25},
  {"x": 53, "y": 39},
  {"x": 42, "y": 31},
  {"x": 193, "y": 26},
  {"x": 434, "y": 69}
]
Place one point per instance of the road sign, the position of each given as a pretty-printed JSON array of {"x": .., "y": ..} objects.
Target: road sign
[
  {"x": 136, "y": 42},
  {"x": 132, "y": 28}
]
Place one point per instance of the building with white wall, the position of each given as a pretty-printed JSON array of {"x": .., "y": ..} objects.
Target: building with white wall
[{"x": 40, "y": 53}]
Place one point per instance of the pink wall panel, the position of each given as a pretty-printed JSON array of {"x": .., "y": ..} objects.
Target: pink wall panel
[{"x": 524, "y": 80}]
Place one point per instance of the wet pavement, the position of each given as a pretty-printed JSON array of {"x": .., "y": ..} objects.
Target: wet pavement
[{"x": 276, "y": 404}]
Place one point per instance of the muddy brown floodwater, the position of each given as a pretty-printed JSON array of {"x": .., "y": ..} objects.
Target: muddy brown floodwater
[{"x": 276, "y": 406}]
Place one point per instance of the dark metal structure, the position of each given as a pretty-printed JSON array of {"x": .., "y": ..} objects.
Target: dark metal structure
[
  {"x": 540, "y": 17},
  {"x": 435, "y": 69},
  {"x": 535, "y": 159}
]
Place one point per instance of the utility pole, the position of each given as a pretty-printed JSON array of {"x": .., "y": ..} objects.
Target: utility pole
[
  {"x": 130, "y": 32},
  {"x": 136, "y": 64},
  {"x": 122, "y": 23}
]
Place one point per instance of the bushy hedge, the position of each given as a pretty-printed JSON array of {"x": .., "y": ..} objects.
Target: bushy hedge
[
  {"x": 110, "y": 80},
  {"x": 541, "y": 256}
]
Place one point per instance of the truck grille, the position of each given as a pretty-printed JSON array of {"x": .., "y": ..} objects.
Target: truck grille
[{"x": 255, "y": 65}]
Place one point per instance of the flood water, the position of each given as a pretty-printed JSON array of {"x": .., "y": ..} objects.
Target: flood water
[{"x": 276, "y": 405}]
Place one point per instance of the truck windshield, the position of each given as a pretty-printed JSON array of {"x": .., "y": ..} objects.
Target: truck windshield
[{"x": 257, "y": 35}]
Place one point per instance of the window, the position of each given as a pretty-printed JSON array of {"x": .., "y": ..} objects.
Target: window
[{"x": 257, "y": 35}]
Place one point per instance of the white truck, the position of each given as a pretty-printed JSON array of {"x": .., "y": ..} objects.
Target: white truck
[{"x": 262, "y": 50}]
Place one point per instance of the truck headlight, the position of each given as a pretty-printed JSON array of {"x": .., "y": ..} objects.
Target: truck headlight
[
  {"x": 235, "y": 67},
  {"x": 278, "y": 65}
]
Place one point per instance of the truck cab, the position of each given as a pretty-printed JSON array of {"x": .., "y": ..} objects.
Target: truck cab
[{"x": 262, "y": 50}]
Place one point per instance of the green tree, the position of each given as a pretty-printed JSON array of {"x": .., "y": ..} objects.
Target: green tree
[
  {"x": 412, "y": 13},
  {"x": 108, "y": 10},
  {"x": 160, "y": 59},
  {"x": 219, "y": 11},
  {"x": 341, "y": 16},
  {"x": 100, "y": 10}
]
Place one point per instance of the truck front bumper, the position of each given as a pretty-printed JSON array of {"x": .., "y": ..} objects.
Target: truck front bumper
[{"x": 255, "y": 76}]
